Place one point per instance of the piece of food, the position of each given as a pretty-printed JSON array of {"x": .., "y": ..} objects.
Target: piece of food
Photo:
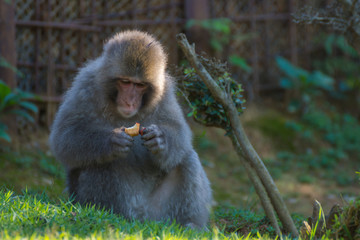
[{"x": 134, "y": 130}]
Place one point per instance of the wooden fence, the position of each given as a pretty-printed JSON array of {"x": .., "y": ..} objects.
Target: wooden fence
[{"x": 55, "y": 37}]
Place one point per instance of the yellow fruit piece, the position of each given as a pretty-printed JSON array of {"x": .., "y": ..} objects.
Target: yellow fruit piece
[{"x": 134, "y": 130}]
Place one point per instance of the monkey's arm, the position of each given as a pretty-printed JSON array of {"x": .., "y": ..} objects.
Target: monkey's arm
[
  {"x": 169, "y": 138},
  {"x": 81, "y": 143}
]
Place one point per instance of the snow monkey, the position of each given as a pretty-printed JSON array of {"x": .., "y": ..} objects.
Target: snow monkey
[{"x": 156, "y": 176}]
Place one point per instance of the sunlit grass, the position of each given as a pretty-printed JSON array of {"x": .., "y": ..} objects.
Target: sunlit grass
[{"x": 29, "y": 216}]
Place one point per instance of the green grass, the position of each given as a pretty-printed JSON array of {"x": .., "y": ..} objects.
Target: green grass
[{"x": 35, "y": 216}]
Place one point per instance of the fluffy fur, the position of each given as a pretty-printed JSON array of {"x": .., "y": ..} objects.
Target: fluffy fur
[{"x": 142, "y": 185}]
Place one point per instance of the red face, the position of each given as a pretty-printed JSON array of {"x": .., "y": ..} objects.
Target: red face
[{"x": 129, "y": 97}]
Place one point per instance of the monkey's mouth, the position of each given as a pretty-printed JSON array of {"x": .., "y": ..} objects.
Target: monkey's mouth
[{"x": 126, "y": 112}]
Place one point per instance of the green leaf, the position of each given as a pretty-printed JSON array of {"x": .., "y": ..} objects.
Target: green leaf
[
  {"x": 290, "y": 70},
  {"x": 4, "y": 63},
  {"x": 241, "y": 62},
  {"x": 26, "y": 95},
  {"x": 5, "y": 136},
  {"x": 329, "y": 44},
  {"x": 294, "y": 106},
  {"x": 190, "y": 23},
  {"x": 215, "y": 44},
  {"x": 345, "y": 47},
  {"x": 206, "y": 24},
  {"x": 4, "y": 90},
  {"x": 29, "y": 106},
  {"x": 10, "y": 99},
  {"x": 23, "y": 113},
  {"x": 286, "y": 83},
  {"x": 321, "y": 80},
  {"x": 221, "y": 25}
]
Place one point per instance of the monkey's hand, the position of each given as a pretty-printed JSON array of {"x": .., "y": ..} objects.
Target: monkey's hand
[
  {"x": 154, "y": 140},
  {"x": 121, "y": 142}
]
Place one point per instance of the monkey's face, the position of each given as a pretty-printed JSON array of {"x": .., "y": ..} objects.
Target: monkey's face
[
  {"x": 129, "y": 98},
  {"x": 132, "y": 72}
]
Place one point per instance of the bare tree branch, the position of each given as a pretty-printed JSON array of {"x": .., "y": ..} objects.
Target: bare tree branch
[
  {"x": 259, "y": 188},
  {"x": 250, "y": 154},
  {"x": 342, "y": 15}
]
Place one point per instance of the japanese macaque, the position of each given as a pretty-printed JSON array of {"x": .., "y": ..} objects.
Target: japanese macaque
[{"x": 156, "y": 175}]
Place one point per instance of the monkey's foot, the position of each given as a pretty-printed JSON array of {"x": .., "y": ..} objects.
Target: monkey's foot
[{"x": 195, "y": 227}]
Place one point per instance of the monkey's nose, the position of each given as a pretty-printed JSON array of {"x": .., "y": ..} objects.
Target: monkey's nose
[{"x": 130, "y": 104}]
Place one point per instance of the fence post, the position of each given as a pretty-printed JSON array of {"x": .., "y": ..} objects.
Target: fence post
[
  {"x": 292, "y": 33},
  {"x": 51, "y": 80},
  {"x": 254, "y": 50},
  {"x": 7, "y": 42},
  {"x": 198, "y": 10}
]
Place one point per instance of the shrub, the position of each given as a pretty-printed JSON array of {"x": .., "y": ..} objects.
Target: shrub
[{"x": 14, "y": 102}]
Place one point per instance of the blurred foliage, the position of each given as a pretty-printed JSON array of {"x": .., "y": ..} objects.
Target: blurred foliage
[
  {"x": 33, "y": 169},
  {"x": 347, "y": 225},
  {"x": 222, "y": 33},
  {"x": 340, "y": 223},
  {"x": 218, "y": 28},
  {"x": 5, "y": 64},
  {"x": 324, "y": 133},
  {"x": 341, "y": 61},
  {"x": 238, "y": 61},
  {"x": 303, "y": 85},
  {"x": 204, "y": 108},
  {"x": 14, "y": 102}
]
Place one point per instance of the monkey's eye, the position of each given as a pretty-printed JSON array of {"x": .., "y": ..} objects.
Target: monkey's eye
[
  {"x": 141, "y": 85},
  {"x": 125, "y": 81}
]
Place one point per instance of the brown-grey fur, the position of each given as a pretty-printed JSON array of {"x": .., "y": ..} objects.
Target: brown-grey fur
[{"x": 139, "y": 184}]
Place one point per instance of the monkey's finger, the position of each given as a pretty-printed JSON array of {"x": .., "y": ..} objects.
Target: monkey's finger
[
  {"x": 149, "y": 135},
  {"x": 118, "y": 130},
  {"x": 157, "y": 149},
  {"x": 152, "y": 133},
  {"x": 154, "y": 142},
  {"x": 122, "y": 151},
  {"x": 122, "y": 135},
  {"x": 122, "y": 148},
  {"x": 122, "y": 141},
  {"x": 125, "y": 136},
  {"x": 151, "y": 128}
]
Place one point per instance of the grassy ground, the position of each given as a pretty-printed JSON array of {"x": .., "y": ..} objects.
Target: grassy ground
[
  {"x": 36, "y": 216},
  {"x": 28, "y": 164}
]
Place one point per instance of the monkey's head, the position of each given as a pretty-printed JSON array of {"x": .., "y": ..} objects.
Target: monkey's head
[{"x": 133, "y": 72}]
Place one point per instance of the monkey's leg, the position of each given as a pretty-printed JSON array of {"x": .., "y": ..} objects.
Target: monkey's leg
[
  {"x": 191, "y": 201},
  {"x": 183, "y": 195}
]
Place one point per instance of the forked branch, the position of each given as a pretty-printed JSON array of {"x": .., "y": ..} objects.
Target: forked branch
[{"x": 251, "y": 157}]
